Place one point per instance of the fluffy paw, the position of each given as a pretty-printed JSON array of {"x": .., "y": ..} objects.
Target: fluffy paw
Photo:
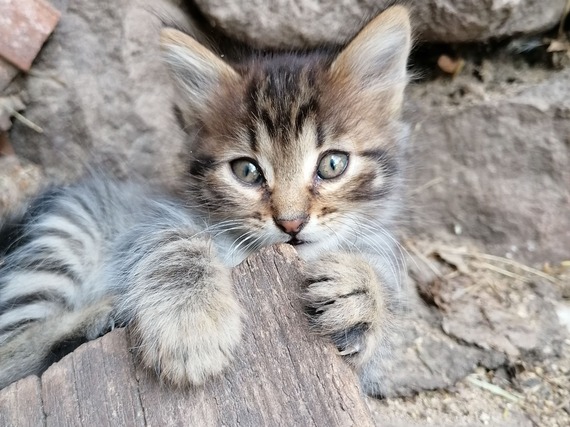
[
  {"x": 187, "y": 321},
  {"x": 189, "y": 346},
  {"x": 98, "y": 319},
  {"x": 344, "y": 300}
]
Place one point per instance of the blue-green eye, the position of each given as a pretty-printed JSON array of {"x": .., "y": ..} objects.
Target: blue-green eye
[
  {"x": 247, "y": 171},
  {"x": 332, "y": 164}
]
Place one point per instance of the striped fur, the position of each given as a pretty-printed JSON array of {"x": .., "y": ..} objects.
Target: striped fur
[{"x": 85, "y": 258}]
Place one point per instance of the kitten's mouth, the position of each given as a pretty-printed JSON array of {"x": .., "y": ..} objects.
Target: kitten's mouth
[{"x": 296, "y": 242}]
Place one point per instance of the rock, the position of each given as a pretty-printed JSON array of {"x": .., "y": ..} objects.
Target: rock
[
  {"x": 425, "y": 358},
  {"x": 302, "y": 23},
  {"x": 499, "y": 168},
  {"x": 519, "y": 331},
  {"x": 18, "y": 180},
  {"x": 101, "y": 95},
  {"x": 7, "y": 74}
]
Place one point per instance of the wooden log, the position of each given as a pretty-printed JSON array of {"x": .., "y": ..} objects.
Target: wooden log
[
  {"x": 21, "y": 404},
  {"x": 282, "y": 374}
]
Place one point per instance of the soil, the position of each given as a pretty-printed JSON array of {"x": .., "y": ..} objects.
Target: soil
[{"x": 531, "y": 386}]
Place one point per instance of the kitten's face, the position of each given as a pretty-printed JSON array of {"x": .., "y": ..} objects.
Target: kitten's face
[{"x": 299, "y": 148}]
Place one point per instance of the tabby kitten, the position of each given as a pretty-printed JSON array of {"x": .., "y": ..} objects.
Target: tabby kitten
[{"x": 299, "y": 148}]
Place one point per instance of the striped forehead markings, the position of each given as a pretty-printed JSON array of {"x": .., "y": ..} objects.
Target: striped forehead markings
[{"x": 281, "y": 102}]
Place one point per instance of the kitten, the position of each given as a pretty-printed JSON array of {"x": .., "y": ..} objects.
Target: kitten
[{"x": 301, "y": 148}]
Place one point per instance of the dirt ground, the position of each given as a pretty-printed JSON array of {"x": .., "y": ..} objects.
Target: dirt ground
[{"x": 492, "y": 303}]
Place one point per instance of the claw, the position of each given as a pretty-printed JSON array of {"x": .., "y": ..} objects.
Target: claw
[{"x": 351, "y": 349}]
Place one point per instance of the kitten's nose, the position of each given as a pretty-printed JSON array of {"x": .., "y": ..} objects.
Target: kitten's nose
[{"x": 291, "y": 226}]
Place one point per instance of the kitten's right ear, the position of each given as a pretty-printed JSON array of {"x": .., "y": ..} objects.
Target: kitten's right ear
[{"x": 196, "y": 70}]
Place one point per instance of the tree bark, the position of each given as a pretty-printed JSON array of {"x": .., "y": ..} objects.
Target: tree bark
[{"x": 281, "y": 375}]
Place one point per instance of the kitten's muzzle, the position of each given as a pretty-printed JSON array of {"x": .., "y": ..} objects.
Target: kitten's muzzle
[{"x": 295, "y": 242}]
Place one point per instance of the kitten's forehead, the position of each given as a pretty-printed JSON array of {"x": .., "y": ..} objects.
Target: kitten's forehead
[{"x": 282, "y": 98}]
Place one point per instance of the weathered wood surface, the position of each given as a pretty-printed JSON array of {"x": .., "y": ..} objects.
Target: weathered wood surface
[{"x": 282, "y": 375}]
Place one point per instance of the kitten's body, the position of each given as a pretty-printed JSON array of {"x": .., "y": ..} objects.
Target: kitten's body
[{"x": 299, "y": 148}]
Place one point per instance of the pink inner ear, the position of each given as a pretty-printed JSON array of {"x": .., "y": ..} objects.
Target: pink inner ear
[
  {"x": 377, "y": 56},
  {"x": 196, "y": 70}
]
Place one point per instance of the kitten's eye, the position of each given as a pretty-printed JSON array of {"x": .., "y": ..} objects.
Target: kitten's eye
[
  {"x": 247, "y": 171},
  {"x": 332, "y": 165}
]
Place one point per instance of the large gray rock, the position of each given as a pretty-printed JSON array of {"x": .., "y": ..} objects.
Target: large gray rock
[
  {"x": 302, "y": 23},
  {"x": 100, "y": 94},
  {"x": 499, "y": 168}
]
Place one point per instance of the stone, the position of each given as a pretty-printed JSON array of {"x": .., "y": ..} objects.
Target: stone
[
  {"x": 101, "y": 95},
  {"x": 425, "y": 358},
  {"x": 483, "y": 322},
  {"x": 7, "y": 74},
  {"x": 19, "y": 180},
  {"x": 303, "y": 23}
]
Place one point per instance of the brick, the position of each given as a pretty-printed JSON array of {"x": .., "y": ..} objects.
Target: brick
[{"x": 24, "y": 27}]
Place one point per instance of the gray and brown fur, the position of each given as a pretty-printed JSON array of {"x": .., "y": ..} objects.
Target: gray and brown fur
[{"x": 125, "y": 255}]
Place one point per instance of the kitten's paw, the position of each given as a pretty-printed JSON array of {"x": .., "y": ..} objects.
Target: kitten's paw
[
  {"x": 98, "y": 319},
  {"x": 191, "y": 345},
  {"x": 345, "y": 302},
  {"x": 188, "y": 329}
]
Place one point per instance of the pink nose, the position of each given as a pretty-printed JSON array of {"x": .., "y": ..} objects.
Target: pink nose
[{"x": 291, "y": 226}]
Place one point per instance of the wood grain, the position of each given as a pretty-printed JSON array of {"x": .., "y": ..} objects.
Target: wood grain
[
  {"x": 93, "y": 386},
  {"x": 21, "y": 404},
  {"x": 282, "y": 374}
]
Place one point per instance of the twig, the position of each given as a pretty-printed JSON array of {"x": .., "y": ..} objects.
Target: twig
[
  {"x": 503, "y": 260},
  {"x": 424, "y": 259},
  {"x": 494, "y": 389},
  {"x": 26, "y": 121},
  {"x": 486, "y": 265},
  {"x": 428, "y": 184}
]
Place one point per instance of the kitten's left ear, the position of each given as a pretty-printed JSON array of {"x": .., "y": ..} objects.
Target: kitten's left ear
[
  {"x": 197, "y": 71},
  {"x": 374, "y": 62}
]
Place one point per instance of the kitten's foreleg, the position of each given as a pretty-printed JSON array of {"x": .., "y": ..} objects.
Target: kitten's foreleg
[
  {"x": 353, "y": 304},
  {"x": 185, "y": 318}
]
